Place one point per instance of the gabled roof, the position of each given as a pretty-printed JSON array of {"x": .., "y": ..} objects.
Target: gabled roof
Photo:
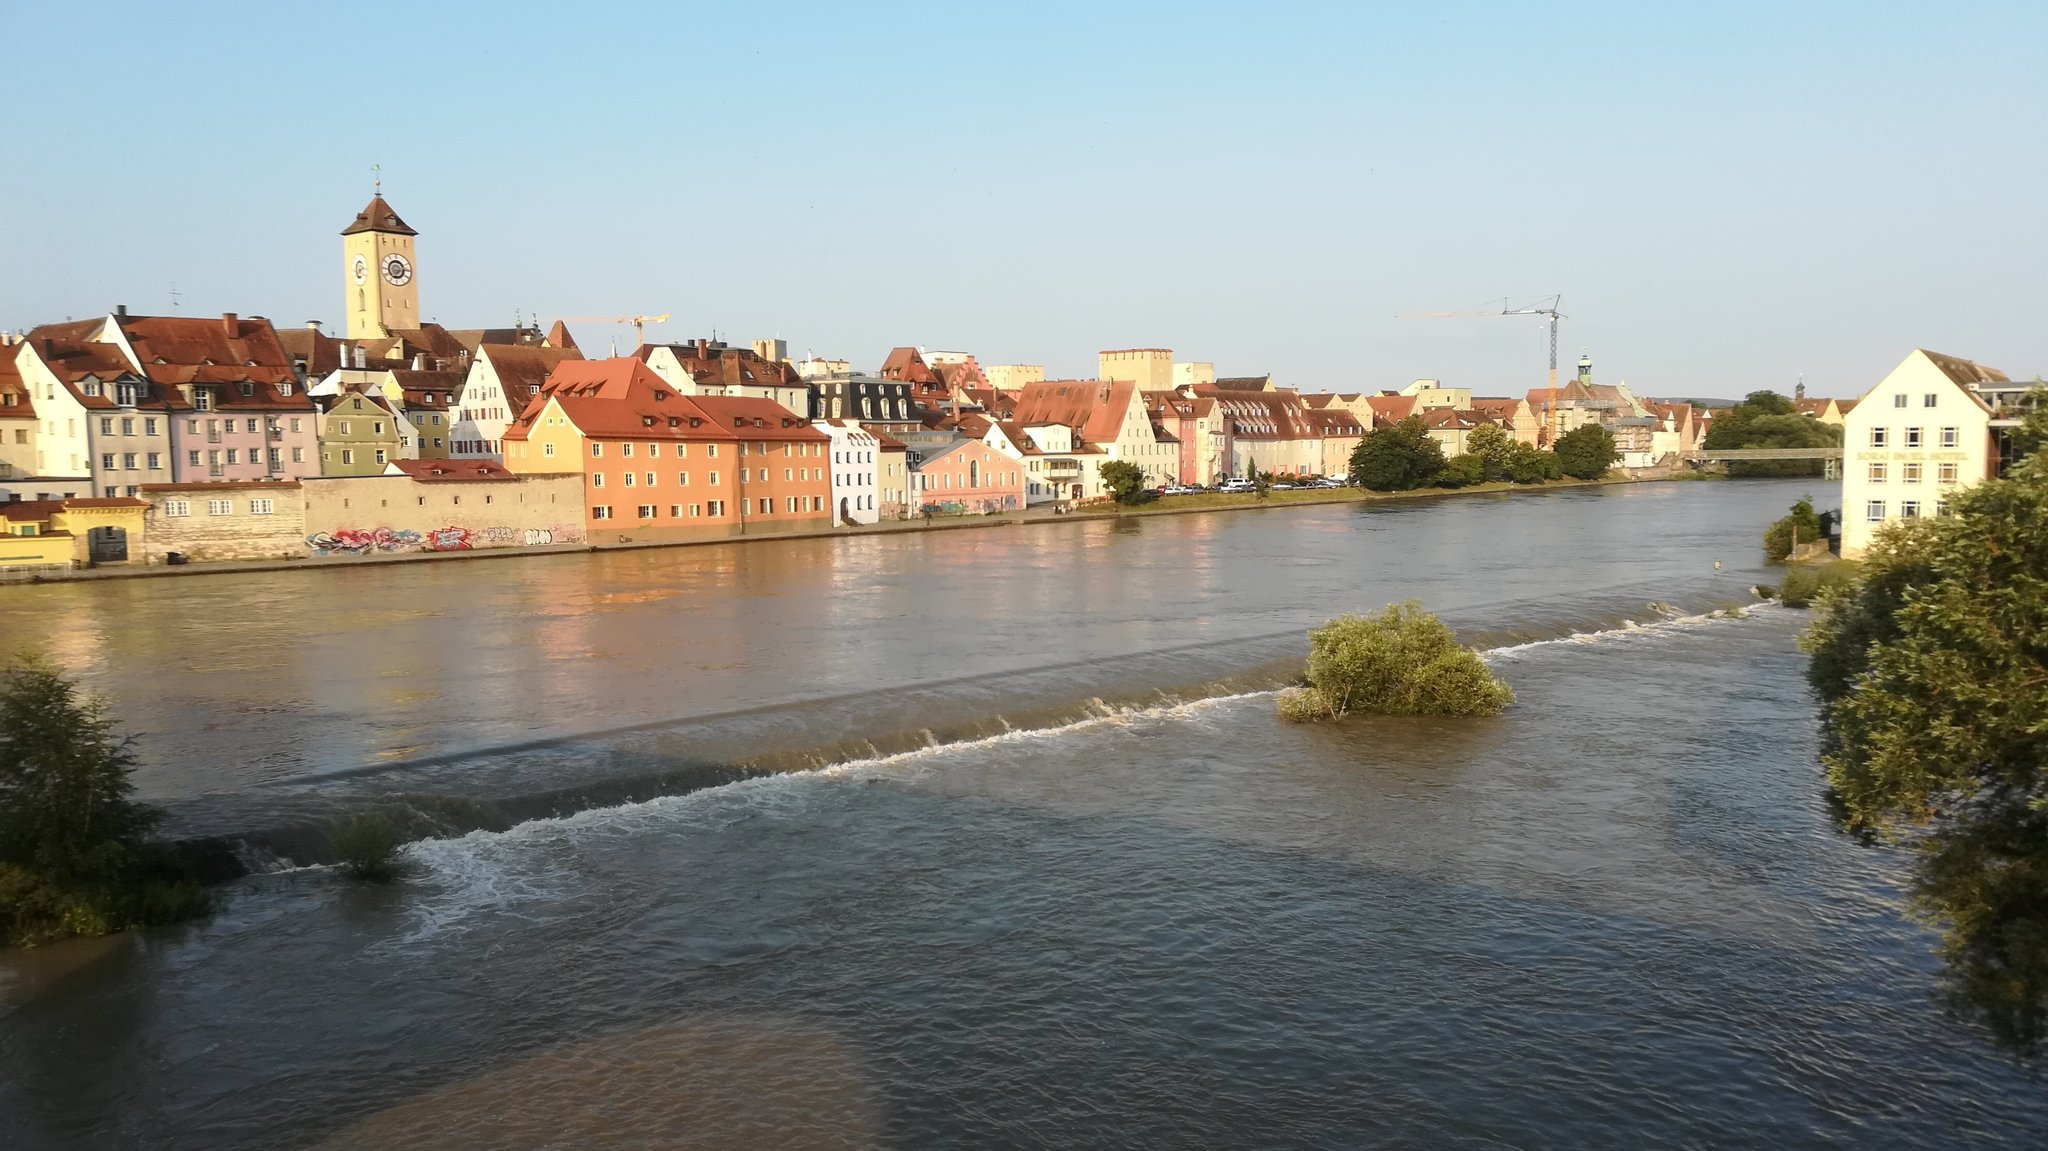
[
  {"x": 522, "y": 368},
  {"x": 1962, "y": 371},
  {"x": 906, "y": 364},
  {"x": 217, "y": 340},
  {"x": 1242, "y": 383},
  {"x": 1092, "y": 408},
  {"x": 377, "y": 216},
  {"x": 23, "y": 407},
  {"x": 622, "y": 398},
  {"x": 559, "y": 337}
]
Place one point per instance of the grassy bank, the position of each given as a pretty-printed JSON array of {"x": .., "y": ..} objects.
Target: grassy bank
[{"x": 1240, "y": 501}]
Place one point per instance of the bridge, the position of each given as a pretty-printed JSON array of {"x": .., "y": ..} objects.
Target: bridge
[{"x": 1833, "y": 456}]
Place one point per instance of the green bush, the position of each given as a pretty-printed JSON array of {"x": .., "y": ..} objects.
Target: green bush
[
  {"x": 1805, "y": 583},
  {"x": 1397, "y": 459},
  {"x": 1462, "y": 472},
  {"x": 1528, "y": 464},
  {"x": 1403, "y": 661},
  {"x": 366, "y": 847}
]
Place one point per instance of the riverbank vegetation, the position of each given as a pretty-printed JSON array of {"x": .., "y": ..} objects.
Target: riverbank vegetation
[
  {"x": 1405, "y": 458},
  {"x": 77, "y": 855},
  {"x": 1802, "y": 526},
  {"x": 367, "y": 848},
  {"x": 1585, "y": 453},
  {"x": 1766, "y": 419},
  {"x": 1931, "y": 672},
  {"x": 1403, "y": 661}
]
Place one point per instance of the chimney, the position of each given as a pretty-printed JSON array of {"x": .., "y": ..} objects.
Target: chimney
[
  {"x": 312, "y": 325},
  {"x": 121, "y": 310},
  {"x": 230, "y": 324},
  {"x": 703, "y": 346}
]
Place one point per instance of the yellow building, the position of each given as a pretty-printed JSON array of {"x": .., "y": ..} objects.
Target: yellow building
[
  {"x": 58, "y": 535},
  {"x": 1149, "y": 368},
  {"x": 1925, "y": 431},
  {"x": 381, "y": 273}
]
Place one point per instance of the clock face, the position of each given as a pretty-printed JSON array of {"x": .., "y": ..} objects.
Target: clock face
[
  {"x": 396, "y": 270},
  {"x": 361, "y": 269}
]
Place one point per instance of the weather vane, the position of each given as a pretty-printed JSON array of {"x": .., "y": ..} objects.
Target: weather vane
[{"x": 377, "y": 178}]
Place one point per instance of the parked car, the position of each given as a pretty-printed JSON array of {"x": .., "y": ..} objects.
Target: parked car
[{"x": 1236, "y": 485}]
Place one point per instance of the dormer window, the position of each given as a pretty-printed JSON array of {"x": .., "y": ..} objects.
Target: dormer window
[
  {"x": 202, "y": 400},
  {"x": 284, "y": 389},
  {"x": 247, "y": 388},
  {"x": 92, "y": 387},
  {"x": 646, "y": 421},
  {"x": 126, "y": 394}
]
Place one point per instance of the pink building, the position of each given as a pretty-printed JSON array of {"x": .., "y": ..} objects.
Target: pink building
[{"x": 963, "y": 477}]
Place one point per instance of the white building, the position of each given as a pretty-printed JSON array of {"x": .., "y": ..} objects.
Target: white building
[
  {"x": 856, "y": 462},
  {"x": 1925, "y": 431}
]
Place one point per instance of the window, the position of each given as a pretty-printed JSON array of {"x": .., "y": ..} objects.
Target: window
[
  {"x": 791, "y": 503},
  {"x": 202, "y": 400},
  {"x": 1912, "y": 437},
  {"x": 380, "y": 455},
  {"x": 276, "y": 456},
  {"x": 298, "y": 455},
  {"x": 1945, "y": 473},
  {"x": 597, "y": 479},
  {"x": 1941, "y": 506},
  {"x": 694, "y": 509},
  {"x": 675, "y": 511},
  {"x": 127, "y": 426},
  {"x": 107, "y": 462},
  {"x": 1899, "y": 400},
  {"x": 682, "y": 479},
  {"x": 1909, "y": 473},
  {"x": 547, "y": 449},
  {"x": 149, "y": 427},
  {"x": 1877, "y": 437},
  {"x": 601, "y": 512},
  {"x": 764, "y": 475},
  {"x": 1909, "y": 509},
  {"x": 649, "y": 478},
  {"x": 295, "y": 423},
  {"x": 785, "y": 451},
  {"x": 344, "y": 427},
  {"x": 284, "y": 389},
  {"x": 789, "y": 474},
  {"x": 646, "y": 511},
  {"x": 714, "y": 483},
  {"x": 156, "y": 461},
  {"x": 629, "y": 479},
  {"x": 682, "y": 451},
  {"x": 626, "y": 449},
  {"x": 1930, "y": 400},
  {"x": 1948, "y": 437},
  {"x": 596, "y": 451},
  {"x": 232, "y": 453},
  {"x": 260, "y": 507},
  {"x": 128, "y": 461},
  {"x": 348, "y": 455},
  {"x": 250, "y": 426},
  {"x": 178, "y": 507},
  {"x": 1874, "y": 511},
  {"x": 220, "y": 507},
  {"x": 192, "y": 457},
  {"x": 717, "y": 507},
  {"x": 767, "y": 506},
  {"x": 712, "y": 451}
]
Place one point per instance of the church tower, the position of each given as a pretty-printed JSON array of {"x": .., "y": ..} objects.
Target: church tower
[{"x": 382, "y": 279}]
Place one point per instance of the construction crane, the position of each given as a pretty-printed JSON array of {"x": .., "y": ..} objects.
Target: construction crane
[
  {"x": 639, "y": 323},
  {"x": 1546, "y": 307}
]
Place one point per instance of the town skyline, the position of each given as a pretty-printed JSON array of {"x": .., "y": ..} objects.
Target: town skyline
[{"x": 1722, "y": 206}]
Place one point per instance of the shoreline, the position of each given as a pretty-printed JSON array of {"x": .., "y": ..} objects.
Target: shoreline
[{"x": 1302, "y": 498}]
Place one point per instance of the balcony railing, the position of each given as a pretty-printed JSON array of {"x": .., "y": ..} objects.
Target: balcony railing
[
  {"x": 213, "y": 435},
  {"x": 277, "y": 433},
  {"x": 1063, "y": 465}
]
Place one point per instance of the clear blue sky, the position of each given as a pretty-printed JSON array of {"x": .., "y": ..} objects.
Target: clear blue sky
[{"x": 1727, "y": 195}]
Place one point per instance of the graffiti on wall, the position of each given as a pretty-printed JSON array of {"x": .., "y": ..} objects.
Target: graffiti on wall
[
  {"x": 453, "y": 538},
  {"x": 361, "y": 542}
]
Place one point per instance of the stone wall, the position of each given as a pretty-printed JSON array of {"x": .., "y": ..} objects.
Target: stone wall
[
  {"x": 207, "y": 522},
  {"x": 362, "y": 515}
]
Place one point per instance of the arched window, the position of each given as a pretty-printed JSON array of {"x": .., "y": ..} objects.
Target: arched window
[{"x": 973, "y": 473}]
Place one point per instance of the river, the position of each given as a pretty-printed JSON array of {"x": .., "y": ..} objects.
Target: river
[{"x": 992, "y": 838}]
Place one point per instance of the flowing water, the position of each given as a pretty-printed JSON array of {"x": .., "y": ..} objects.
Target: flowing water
[{"x": 992, "y": 839}]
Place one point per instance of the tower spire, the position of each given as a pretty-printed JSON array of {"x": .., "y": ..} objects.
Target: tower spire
[{"x": 376, "y": 179}]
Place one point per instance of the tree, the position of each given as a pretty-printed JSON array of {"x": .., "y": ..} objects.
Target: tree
[
  {"x": 1768, "y": 420},
  {"x": 1126, "y": 482},
  {"x": 1462, "y": 472},
  {"x": 1801, "y": 527},
  {"x": 1528, "y": 464},
  {"x": 1403, "y": 661},
  {"x": 65, "y": 810},
  {"x": 1932, "y": 675},
  {"x": 75, "y": 857},
  {"x": 1585, "y": 452},
  {"x": 1396, "y": 459},
  {"x": 1494, "y": 447}
]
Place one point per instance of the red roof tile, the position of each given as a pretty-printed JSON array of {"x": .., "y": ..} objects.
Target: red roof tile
[
  {"x": 377, "y": 216},
  {"x": 447, "y": 471}
]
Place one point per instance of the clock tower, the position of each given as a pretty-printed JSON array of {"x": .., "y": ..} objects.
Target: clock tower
[{"x": 378, "y": 269}]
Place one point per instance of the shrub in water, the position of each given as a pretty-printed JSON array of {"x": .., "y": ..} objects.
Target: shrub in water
[
  {"x": 1804, "y": 584},
  {"x": 366, "y": 847},
  {"x": 1403, "y": 661}
]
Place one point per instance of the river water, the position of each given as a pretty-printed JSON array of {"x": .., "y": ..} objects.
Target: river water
[{"x": 992, "y": 839}]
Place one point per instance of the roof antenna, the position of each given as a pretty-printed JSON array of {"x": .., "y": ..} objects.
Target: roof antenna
[
  {"x": 175, "y": 296},
  {"x": 376, "y": 179}
]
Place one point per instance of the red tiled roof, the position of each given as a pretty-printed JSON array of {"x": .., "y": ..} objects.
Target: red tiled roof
[
  {"x": 377, "y": 216},
  {"x": 446, "y": 471},
  {"x": 559, "y": 337},
  {"x": 622, "y": 398},
  {"x": 39, "y": 510},
  {"x": 23, "y": 406},
  {"x": 221, "y": 340},
  {"x": 906, "y": 364},
  {"x": 522, "y": 369}
]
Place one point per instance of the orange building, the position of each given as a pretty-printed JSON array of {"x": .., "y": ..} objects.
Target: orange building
[{"x": 659, "y": 465}]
